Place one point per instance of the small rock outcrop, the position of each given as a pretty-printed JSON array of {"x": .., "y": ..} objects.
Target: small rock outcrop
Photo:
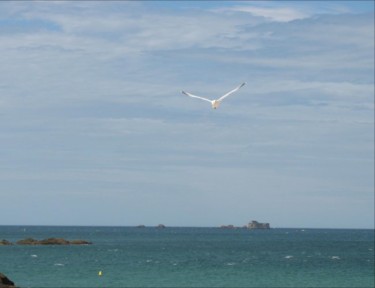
[
  {"x": 79, "y": 242},
  {"x": 160, "y": 226},
  {"x": 52, "y": 241},
  {"x": 5, "y": 282},
  {"x": 227, "y": 226},
  {"x": 5, "y": 242},
  {"x": 28, "y": 241},
  {"x": 256, "y": 225}
]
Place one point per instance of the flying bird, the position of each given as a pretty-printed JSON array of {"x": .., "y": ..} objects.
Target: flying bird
[{"x": 216, "y": 102}]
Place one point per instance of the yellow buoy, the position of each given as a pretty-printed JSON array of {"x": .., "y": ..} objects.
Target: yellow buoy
[{"x": 100, "y": 273}]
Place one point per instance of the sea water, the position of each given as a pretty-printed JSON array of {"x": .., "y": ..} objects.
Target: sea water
[{"x": 190, "y": 257}]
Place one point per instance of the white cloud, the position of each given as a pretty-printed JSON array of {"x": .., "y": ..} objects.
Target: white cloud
[{"x": 278, "y": 14}]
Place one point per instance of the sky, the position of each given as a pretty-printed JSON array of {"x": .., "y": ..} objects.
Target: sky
[{"x": 94, "y": 129}]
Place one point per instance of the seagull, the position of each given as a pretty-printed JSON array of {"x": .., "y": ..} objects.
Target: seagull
[{"x": 215, "y": 103}]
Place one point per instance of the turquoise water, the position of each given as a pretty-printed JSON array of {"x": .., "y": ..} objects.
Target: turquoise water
[{"x": 190, "y": 257}]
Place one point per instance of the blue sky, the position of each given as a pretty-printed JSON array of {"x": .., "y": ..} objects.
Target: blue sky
[{"x": 94, "y": 129}]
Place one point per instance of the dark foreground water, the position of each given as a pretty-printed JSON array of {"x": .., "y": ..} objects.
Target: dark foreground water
[{"x": 190, "y": 257}]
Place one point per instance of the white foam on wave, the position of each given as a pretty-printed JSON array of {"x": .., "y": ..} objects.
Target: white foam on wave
[
  {"x": 59, "y": 264},
  {"x": 245, "y": 260},
  {"x": 288, "y": 257},
  {"x": 335, "y": 258},
  {"x": 231, "y": 263},
  {"x": 34, "y": 255}
]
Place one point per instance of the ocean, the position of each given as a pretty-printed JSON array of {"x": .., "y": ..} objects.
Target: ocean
[{"x": 190, "y": 257}]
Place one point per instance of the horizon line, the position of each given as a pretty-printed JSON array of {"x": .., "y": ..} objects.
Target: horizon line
[{"x": 142, "y": 226}]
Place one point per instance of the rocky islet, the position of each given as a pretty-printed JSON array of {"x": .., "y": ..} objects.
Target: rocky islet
[{"x": 48, "y": 241}]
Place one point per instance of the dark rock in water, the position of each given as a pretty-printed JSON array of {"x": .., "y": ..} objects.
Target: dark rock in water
[
  {"x": 52, "y": 241},
  {"x": 227, "y": 226},
  {"x": 5, "y": 242},
  {"x": 79, "y": 242},
  {"x": 256, "y": 225},
  {"x": 28, "y": 241},
  {"x": 160, "y": 226},
  {"x": 5, "y": 282}
]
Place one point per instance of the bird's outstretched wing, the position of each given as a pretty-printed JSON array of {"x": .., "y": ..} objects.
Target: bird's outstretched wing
[
  {"x": 194, "y": 96},
  {"x": 230, "y": 92}
]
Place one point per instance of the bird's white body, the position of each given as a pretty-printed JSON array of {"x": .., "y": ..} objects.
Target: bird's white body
[{"x": 214, "y": 103}]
